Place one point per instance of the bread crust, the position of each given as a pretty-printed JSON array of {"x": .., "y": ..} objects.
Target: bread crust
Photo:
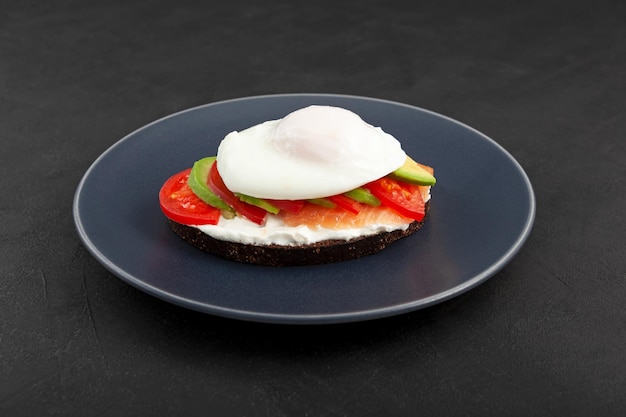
[{"x": 326, "y": 251}]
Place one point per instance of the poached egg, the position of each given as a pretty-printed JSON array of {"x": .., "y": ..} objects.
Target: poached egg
[{"x": 313, "y": 152}]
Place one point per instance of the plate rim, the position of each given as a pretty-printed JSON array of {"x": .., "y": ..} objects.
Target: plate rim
[{"x": 325, "y": 318}]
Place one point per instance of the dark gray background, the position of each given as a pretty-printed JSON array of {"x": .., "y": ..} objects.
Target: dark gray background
[{"x": 545, "y": 336}]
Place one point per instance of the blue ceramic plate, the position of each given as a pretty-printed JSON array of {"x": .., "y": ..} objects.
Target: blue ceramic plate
[{"x": 482, "y": 211}]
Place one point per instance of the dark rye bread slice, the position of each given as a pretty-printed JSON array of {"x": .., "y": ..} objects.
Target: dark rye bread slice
[{"x": 327, "y": 251}]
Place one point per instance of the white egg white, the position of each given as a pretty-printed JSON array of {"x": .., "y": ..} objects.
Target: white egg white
[{"x": 314, "y": 152}]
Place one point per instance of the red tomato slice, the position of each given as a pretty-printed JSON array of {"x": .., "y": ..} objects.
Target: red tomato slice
[
  {"x": 181, "y": 205},
  {"x": 345, "y": 203},
  {"x": 291, "y": 206},
  {"x": 402, "y": 197},
  {"x": 216, "y": 184}
]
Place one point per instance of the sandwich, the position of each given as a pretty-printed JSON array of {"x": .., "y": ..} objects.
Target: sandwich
[{"x": 319, "y": 185}]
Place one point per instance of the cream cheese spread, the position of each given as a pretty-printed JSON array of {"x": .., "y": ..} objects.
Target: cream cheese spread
[{"x": 274, "y": 231}]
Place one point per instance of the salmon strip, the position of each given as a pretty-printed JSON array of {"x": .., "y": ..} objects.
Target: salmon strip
[{"x": 315, "y": 216}]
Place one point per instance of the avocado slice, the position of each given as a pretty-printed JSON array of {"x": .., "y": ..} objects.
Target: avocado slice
[
  {"x": 362, "y": 195},
  {"x": 198, "y": 183},
  {"x": 324, "y": 202},
  {"x": 413, "y": 173},
  {"x": 270, "y": 208}
]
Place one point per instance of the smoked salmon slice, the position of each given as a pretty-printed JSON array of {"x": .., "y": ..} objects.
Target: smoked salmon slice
[{"x": 315, "y": 216}]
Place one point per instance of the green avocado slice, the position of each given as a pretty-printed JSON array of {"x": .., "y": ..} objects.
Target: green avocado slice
[
  {"x": 270, "y": 208},
  {"x": 362, "y": 195},
  {"x": 324, "y": 202},
  {"x": 413, "y": 173},
  {"x": 198, "y": 183}
]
